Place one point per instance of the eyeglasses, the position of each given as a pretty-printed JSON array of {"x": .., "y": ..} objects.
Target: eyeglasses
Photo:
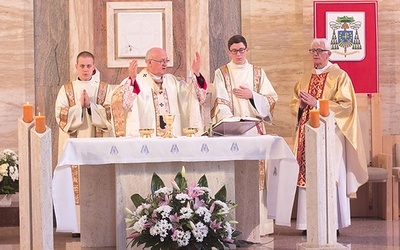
[
  {"x": 163, "y": 61},
  {"x": 240, "y": 51},
  {"x": 319, "y": 51}
]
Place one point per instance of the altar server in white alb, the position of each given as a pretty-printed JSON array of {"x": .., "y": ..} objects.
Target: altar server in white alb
[
  {"x": 142, "y": 98},
  {"x": 81, "y": 108},
  {"x": 242, "y": 89}
]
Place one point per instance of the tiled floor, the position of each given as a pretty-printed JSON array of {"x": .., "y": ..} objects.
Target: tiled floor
[{"x": 363, "y": 234}]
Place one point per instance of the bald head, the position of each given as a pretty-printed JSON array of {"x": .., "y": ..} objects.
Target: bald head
[{"x": 156, "y": 61}]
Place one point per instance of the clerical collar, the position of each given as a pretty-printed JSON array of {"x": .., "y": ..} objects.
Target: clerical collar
[
  {"x": 157, "y": 79},
  {"x": 79, "y": 79},
  {"x": 320, "y": 71},
  {"x": 239, "y": 66}
]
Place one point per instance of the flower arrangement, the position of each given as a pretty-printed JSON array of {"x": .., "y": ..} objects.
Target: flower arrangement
[
  {"x": 8, "y": 172},
  {"x": 182, "y": 217}
]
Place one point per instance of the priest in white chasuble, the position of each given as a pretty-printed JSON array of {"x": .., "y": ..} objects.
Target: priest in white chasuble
[
  {"x": 141, "y": 100},
  {"x": 82, "y": 108},
  {"x": 329, "y": 81}
]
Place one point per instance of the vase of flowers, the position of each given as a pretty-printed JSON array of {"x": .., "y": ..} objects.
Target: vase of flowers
[
  {"x": 181, "y": 217},
  {"x": 8, "y": 176}
]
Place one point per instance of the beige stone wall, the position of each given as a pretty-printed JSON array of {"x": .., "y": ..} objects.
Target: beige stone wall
[
  {"x": 389, "y": 64},
  {"x": 16, "y": 66},
  {"x": 279, "y": 34}
]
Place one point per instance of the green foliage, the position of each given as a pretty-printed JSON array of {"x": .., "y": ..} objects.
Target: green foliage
[{"x": 156, "y": 183}]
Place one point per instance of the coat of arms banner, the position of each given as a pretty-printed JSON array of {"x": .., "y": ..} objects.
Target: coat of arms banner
[{"x": 351, "y": 29}]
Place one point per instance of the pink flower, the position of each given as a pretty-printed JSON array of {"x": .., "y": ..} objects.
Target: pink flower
[
  {"x": 133, "y": 236},
  {"x": 229, "y": 240},
  {"x": 215, "y": 225},
  {"x": 198, "y": 203},
  {"x": 174, "y": 218},
  {"x": 174, "y": 234},
  {"x": 212, "y": 207},
  {"x": 164, "y": 201},
  {"x": 194, "y": 191}
]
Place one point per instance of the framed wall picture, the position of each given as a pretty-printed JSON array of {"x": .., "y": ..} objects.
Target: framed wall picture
[
  {"x": 351, "y": 29},
  {"x": 135, "y": 27}
]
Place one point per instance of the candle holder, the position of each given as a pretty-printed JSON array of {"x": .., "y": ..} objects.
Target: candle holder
[
  {"x": 190, "y": 132},
  {"x": 169, "y": 120},
  {"x": 146, "y": 132}
]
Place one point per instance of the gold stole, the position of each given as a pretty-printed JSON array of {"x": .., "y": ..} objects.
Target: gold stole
[
  {"x": 101, "y": 96},
  {"x": 316, "y": 89},
  {"x": 228, "y": 86},
  {"x": 118, "y": 112}
]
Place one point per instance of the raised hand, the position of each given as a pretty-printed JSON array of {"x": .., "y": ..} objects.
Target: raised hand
[
  {"x": 133, "y": 65},
  {"x": 196, "y": 64}
]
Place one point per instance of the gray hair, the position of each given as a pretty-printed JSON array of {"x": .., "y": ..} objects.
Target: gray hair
[{"x": 323, "y": 41}]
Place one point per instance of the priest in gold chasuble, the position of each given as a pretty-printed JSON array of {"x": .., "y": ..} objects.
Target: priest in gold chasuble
[{"x": 329, "y": 81}]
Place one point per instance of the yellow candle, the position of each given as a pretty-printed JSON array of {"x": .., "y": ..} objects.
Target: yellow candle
[
  {"x": 40, "y": 125},
  {"x": 314, "y": 118},
  {"x": 324, "y": 107},
  {"x": 27, "y": 113}
]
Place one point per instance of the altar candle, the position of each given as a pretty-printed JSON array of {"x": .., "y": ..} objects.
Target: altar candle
[
  {"x": 40, "y": 125},
  {"x": 324, "y": 107},
  {"x": 27, "y": 113},
  {"x": 314, "y": 118}
]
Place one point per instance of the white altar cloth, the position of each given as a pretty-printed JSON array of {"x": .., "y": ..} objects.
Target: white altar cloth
[{"x": 281, "y": 183}]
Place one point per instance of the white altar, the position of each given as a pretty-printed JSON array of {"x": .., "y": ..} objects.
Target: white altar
[{"x": 112, "y": 169}]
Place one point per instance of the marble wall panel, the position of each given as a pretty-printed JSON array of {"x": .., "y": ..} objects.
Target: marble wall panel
[
  {"x": 16, "y": 66},
  {"x": 80, "y": 30},
  {"x": 225, "y": 21},
  {"x": 197, "y": 30},
  {"x": 51, "y": 59}
]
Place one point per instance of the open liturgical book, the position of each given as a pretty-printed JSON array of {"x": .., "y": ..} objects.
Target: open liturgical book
[{"x": 234, "y": 125}]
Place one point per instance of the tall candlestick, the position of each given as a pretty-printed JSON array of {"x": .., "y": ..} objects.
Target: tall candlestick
[
  {"x": 314, "y": 118},
  {"x": 40, "y": 125},
  {"x": 324, "y": 107},
  {"x": 27, "y": 113}
]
